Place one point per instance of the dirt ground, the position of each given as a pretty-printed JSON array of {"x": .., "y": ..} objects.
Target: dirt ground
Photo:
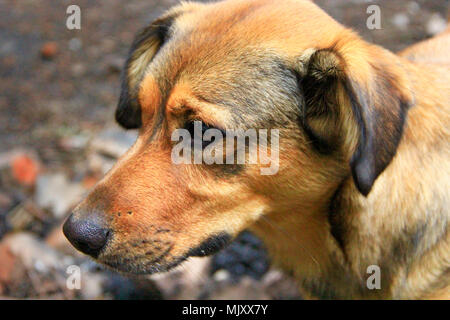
[{"x": 58, "y": 92}]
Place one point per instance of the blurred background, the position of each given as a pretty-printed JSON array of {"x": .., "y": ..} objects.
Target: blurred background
[{"x": 58, "y": 93}]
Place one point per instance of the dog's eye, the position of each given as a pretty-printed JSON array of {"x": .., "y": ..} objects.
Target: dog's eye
[
  {"x": 194, "y": 125},
  {"x": 191, "y": 125}
]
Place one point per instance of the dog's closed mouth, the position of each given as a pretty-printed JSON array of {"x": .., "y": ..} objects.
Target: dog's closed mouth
[{"x": 165, "y": 261}]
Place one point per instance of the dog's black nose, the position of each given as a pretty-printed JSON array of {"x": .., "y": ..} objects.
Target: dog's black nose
[{"x": 86, "y": 235}]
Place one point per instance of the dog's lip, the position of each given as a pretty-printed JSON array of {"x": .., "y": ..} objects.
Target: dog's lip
[
  {"x": 211, "y": 245},
  {"x": 133, "y": 265},
  {"x": 137, "y": 266}
]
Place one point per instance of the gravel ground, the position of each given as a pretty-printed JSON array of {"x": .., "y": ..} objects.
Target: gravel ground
[{"x": 58, "y": 136}]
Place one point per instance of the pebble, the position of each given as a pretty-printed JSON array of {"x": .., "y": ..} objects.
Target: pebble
[
  {"x": 24, "y": 170},
  {"x": 401, "y": 21},
  {"x": 33, "y": 252},
  {"x": 75, "y": 44},
  {"x": 57, "y": 193},
  {"x": 436, "y": 24},
  {"x": 49, "y": 50},
  {"x": 113, "y": 142}
]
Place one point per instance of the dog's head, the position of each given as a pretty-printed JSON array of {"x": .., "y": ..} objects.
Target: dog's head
[{"x": 338, "y": 104}]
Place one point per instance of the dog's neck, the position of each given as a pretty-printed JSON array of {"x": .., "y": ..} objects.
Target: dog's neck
[
  {"x": 398, "y": 227},
  {"x": 299, "y": 242}
]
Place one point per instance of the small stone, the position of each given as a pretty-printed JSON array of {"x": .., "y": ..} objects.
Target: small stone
[
  {"x": 55, "y": 192},
  {"x": 32, "y": 252},
  {"x": 49, "y": 50},
  {"x": 413, "y": 7},
  {"x": 24, "y": 170},
  {"x": 76, "y": 142},
  {"x": 75, "y": 44},
  {"x": 78, "y": 70},
  {"x": 401, "y": 21},
  {"x": 221, "y": 275},
  {"x": 113, "y": 142},
  {"x": 436, "y": 24}
]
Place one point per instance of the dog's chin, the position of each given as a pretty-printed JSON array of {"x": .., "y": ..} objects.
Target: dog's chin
[{"x": 141, "y": 268}]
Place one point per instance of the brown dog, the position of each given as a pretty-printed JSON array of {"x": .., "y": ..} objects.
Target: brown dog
[{"x": 364, "y": 171}]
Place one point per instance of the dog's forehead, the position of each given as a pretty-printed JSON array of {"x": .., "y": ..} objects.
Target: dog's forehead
[
  {"x": 263, "y": 22},
  {"x": 213, "y": 34},
  {"x": 237, "y": 52}
]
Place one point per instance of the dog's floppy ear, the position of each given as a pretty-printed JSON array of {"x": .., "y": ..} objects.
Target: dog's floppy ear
[
  {"x": 374, "y": 89},
  {"x": 145, "y": 46}
]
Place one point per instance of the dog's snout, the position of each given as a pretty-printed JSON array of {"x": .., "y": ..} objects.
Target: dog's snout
[{"x": 85, "y": 234}]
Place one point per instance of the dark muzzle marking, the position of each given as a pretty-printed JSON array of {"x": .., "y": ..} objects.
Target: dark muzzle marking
[{"x": 211, "y": 245}]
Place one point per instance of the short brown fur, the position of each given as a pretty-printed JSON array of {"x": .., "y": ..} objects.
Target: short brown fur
[{"x": 364, "y": 150}]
